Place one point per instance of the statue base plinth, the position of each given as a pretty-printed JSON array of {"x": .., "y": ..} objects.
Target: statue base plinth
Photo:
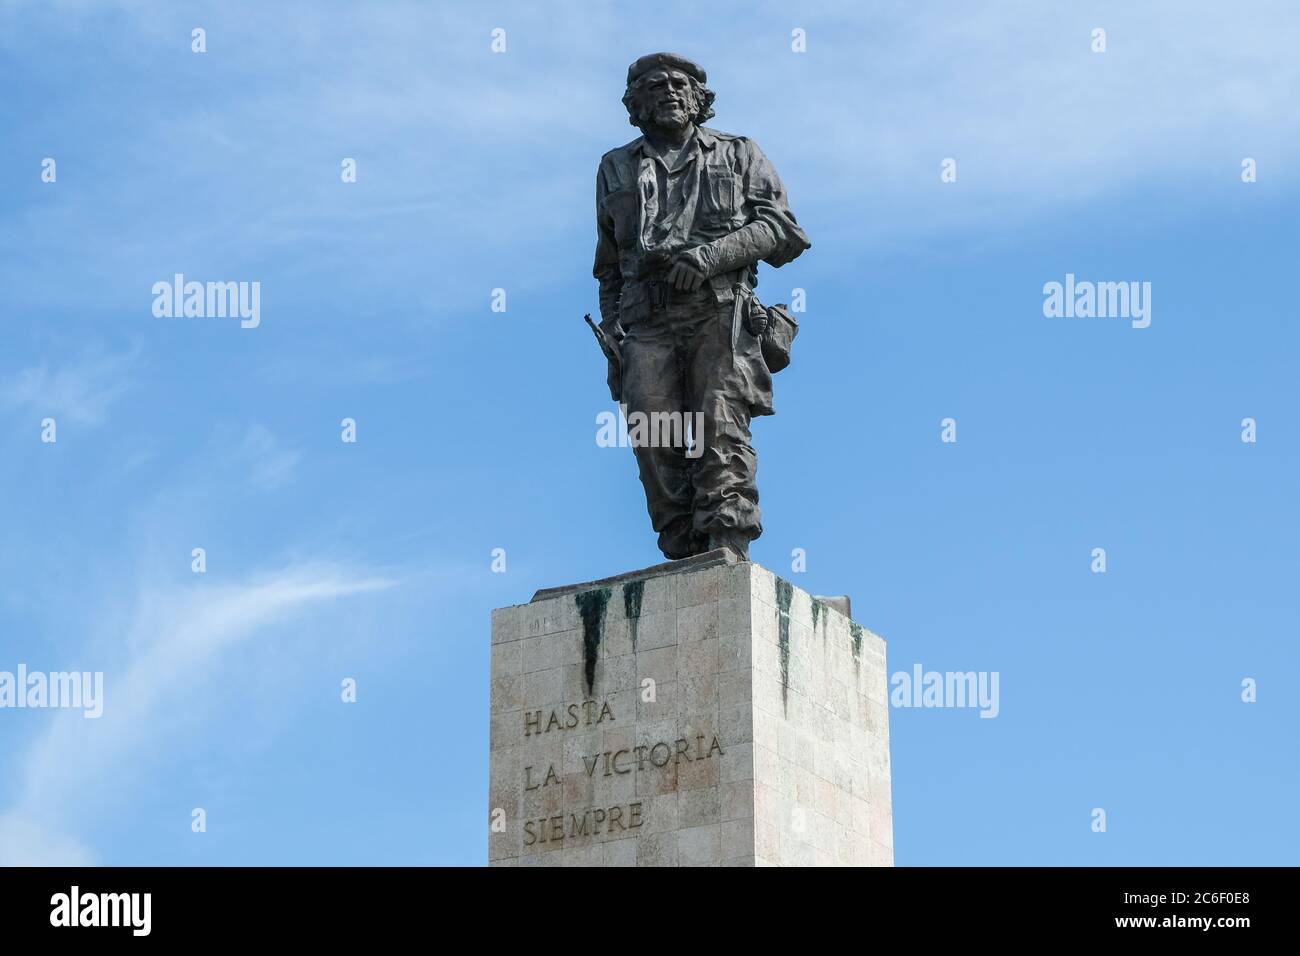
[{"x": 700, "y": 712}]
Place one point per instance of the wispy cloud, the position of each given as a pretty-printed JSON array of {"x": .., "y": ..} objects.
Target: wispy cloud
[
  {"x": 469, "y": 159},
  {"x": 269, "y": 464},
  {"x": 81, "y": 390},
  {"x": 177, "y": 639},
  {"x": 1036, "y": 121},
  {"x": 26, "y": 840}
]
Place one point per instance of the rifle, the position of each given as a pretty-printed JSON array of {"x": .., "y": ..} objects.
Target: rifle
[{"x": 615, "y": 357}]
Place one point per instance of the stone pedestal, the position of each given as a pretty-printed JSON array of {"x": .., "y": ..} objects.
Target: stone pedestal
[{"x": 701, "y": 712}]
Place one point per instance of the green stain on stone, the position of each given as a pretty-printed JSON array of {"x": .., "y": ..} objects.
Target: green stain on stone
[
  {"x": 818, "y": 610},
  {"x": 784, "y": 594},
  {"x": 591, "y": 605},
  {"x": 856, "y": 630},
  {"x": 632, "y": 592}
]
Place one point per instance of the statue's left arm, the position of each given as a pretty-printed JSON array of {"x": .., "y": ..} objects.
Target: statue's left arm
[{"x": 770, "y": 232}]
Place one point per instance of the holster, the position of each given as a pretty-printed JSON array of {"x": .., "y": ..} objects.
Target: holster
[{"x": 778, "y": 337}]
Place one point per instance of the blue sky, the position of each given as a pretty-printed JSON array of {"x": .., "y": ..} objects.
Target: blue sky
[{"x": 476, "y": 429}]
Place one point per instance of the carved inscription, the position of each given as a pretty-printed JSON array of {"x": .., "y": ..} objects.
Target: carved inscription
[
  {"x": 590, "y": 821},
  {"x": 593, "y": 821},
  {"x": 566, "y": 718}
]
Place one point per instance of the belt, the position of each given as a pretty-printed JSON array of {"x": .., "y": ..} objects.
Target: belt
[{"x": 659, "y": 292}]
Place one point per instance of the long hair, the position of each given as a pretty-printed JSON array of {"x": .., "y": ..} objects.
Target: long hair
[{"x": 701, "y": 97}]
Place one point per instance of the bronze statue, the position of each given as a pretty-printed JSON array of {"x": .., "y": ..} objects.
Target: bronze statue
[{"x": 684, "y": 214}]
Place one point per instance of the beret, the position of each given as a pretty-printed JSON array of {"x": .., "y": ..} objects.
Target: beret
[{"x": 669, "y": 61}]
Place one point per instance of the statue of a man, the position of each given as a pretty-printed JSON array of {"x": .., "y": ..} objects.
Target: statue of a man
[{"x": 684, "y": 213}]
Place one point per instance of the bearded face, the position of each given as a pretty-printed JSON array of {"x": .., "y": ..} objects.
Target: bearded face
[{"x": 666, "y": 99}]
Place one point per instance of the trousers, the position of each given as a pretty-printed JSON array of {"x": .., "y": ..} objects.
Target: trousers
[{"x": 678, "y": 358}]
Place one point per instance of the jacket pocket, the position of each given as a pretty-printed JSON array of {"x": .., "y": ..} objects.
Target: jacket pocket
[
  {"x": 721, "y": 195},
  {"x": 621, "y": 207}
]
